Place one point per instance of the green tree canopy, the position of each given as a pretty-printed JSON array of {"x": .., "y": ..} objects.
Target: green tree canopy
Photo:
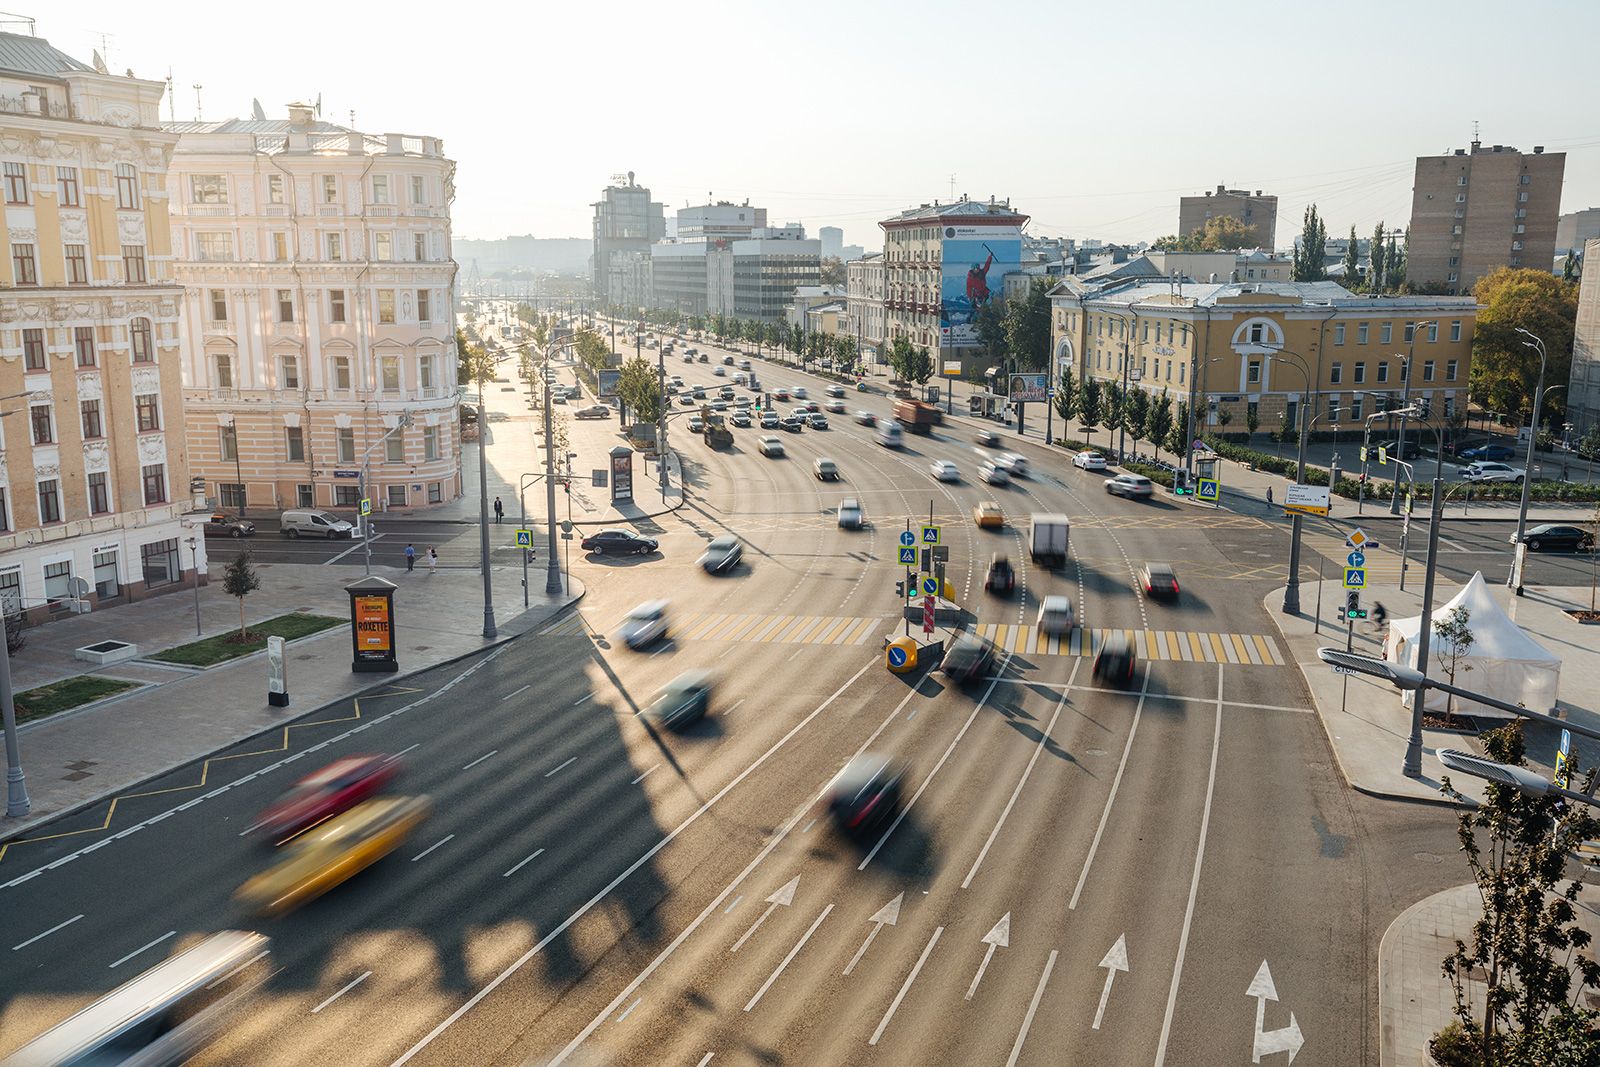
[
  {"x": 833, "y": 271},
  {"x": 1178, "y": 435},
  {"x": 1066, "y": 398},
  {"x": 1158, "y": 422},
  {"x": 1504, "y": 370},
  {"x": 1027, "y": 326},
  {"x": 639, "y": 387},
  {"x": 1223, "y": 233},
  {"x": 1136, "y": 409},
  {"x": 1307, "y": 265},
  {"x": 239, "y": 581},
  {"x": 919, "y": 366}
]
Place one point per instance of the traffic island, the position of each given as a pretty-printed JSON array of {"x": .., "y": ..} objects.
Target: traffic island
[{"x": 903, "y": 654}]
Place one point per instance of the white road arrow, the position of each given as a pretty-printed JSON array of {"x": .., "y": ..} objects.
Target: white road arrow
[
  {"x": 887, "y": 915},
  {"x": 784, "y": 896},
  {"x": 999, "y": 937},
  {"x": 1287, "y": 1039},
  {"x": 1116, "y": 960}
]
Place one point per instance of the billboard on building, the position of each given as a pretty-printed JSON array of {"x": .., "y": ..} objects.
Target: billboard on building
[{"x": 975, "y": 260}]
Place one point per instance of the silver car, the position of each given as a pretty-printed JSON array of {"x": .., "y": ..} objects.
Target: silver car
[
  {"x": 850, "y": 515},
  {"x": 645, "y": 624}
]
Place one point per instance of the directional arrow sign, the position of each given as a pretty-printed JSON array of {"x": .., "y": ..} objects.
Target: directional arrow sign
[
  {"x": 887, "y": 915},
  {"x": 784, "y": 897},
  {"x": 907, "y": 537},
  {"x": 1116, "y": 960},
  {"x": 999, "y": 937},
  {"x": 1288, "y": 1039}
]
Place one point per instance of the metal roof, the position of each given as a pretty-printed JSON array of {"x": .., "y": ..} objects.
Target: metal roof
[
  {"x": 965, "y": 209},
  {"x": 34, "y": 55}
]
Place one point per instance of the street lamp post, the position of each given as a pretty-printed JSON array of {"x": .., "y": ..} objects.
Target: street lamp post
[
  {"x": 17, "y": 802},
  {"x": 1514, "y": 579},
  {"x": 194, "y": 552},
  {"x": 1405, "y": 400},
  {"x": 1291, "y": 588}
]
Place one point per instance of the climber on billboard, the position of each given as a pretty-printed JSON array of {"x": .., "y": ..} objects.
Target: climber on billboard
[{"x": 978, "y": 281}]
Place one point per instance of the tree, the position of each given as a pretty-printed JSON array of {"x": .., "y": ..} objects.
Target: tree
[
  {"x": 1252, "y": 420},
  {"x": 900, "y": 354},
  {"x": 639, "y": 387},
  {"x": 1375, "y": 278},
  {"x": 1504, "y": 371},
  {"x": 845, "y": 353},
  {"x": 1158, "y": 422},
  {"x": 1285, "y": 426},
  {"x": 1027, "y": 327},
  {"x": 1089, "y": 405},
  {"x": 991, "y": 323},
  {"x": 1394, "y": 266},
  {"x": 15, "y": 623},
  {"x": 1452, "y": 633},
  {"x": 1224, "y": 416},
  {"x": 1569, "y": 271},
  {"x": 1136, "y": 409},
  {"x": 239, "y": 581},
  {"x": 1308, "y": 252},
  {"x": 473, "y": 363},
  {"x": 1066, "y": 399},
  {"x": 919, "y": 368},
  {"x": 1352, "y": 261},
  {"x": 833, "y": 271},
  {"x": 1178, "y": 436},
  {"x": 1111, "y": 407},
  {"x": 1219, "y": 234},
  {"x": 1526, "y": 950}
]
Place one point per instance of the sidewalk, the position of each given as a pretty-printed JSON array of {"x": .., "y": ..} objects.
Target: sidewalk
[{"x": 79, "y": 756}]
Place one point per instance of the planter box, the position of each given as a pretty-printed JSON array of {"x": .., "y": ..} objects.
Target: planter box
[{"x": 104, "y": 653}]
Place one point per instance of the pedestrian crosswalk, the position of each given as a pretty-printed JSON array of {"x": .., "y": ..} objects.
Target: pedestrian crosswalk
[
  {"x": 761, "y": 629},
  {"x": 1187, "y": 645}
]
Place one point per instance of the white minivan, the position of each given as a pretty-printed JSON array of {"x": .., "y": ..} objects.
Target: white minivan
[
  {"x": 304, "y": 523},
  {"x": 890, "y": 435}
]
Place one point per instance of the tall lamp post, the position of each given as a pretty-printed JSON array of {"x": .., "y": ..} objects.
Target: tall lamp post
[
  {"x": 1405, "y": 400},
  {"x": 1514, "y": 579},
  {"x": 17, "y": 802},
  {"x": 1291, "y": 587},
  {"x": 194, "y": 552}
]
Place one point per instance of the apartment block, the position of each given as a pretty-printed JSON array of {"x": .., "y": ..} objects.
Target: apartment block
[
  {"x": 1257, "y": 210},
  {"x": 1583, "y": 387},
  {"x": 864, "y": 303},
  {"x": 625, "y": 220}
]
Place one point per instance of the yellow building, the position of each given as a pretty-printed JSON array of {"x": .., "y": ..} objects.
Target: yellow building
[{"x": 94, "y": 477}]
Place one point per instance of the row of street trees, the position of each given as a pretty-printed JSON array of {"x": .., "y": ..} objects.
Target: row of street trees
[{"x": 1136, "y": 412}]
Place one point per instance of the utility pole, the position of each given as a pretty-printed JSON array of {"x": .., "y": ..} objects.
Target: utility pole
[
  {"x": 483, "y": 514},
  {"x": 1405, "y": 402},
  {"x": 552, "y": 573},
  {"x": 17, "y": 803}
]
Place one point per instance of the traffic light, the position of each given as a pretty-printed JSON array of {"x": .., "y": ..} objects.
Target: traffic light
[
  {"x": 1423, "y": 407},
  {"x": 1352, "y": 605},
  {"x": 1180, "y": 483},
  {"x": 900, "y": 590}
]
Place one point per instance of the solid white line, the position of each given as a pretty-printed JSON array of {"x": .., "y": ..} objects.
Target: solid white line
[
  {"x": 342, "y": 992},
  {"x": 644, "y": 775},
  {"x": 1194, "y": 880},
  {"x": 142, "y": 948},
  {"x": 735, "y": 707},
  {"x": 629, "y": 1012},
  {"x": 403, "y": 751},
  {"x": 480, "y": 759},
  {"x": 431, "y": 847},
  {"x": 793, "y": 952},
  {"x": 358, "y": 543},
  {"x": 1111, "y": 798},
  {"x": 515, "y": 692},
  {"x": 571, "y": 760},
  {"x": 561, "y": 928},
  {"x": 705, "y": 1059},
  {"x": 1037, "y": 750},
  {"x": 808, "y": 826},
  {"x": 894, "y": 1005},
  {"x": 47, "y": 933},
  {"x": 733, "y": 905},
  {"x": 523, "y": 863},
  {"x": 583, "y": 700},
  {"x": 1033, "y": 1006}
]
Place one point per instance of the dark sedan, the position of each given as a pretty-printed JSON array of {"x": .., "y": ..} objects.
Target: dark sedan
[
  {"x": 1488, "y": 451},
  {"x": 684, "y": 701},
  {"x": 967, "y": 659},
  {"x": 220, "y": 525},
  {"x": 618, "y": 542},
  {"x": 866, "y": 793},
  {"x": 1159, "y": 581},
  {"x": 1555, "y": 537},
  {"x": 722, "y": 555}
]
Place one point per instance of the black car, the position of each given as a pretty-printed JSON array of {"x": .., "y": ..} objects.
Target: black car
[
  {"x": 791, "y": 424},
  {"x": 722, "y": 554},
  {"x": 1392, "y": 450},
  {"x": 618, "y": 542},
  {"x": 220, "y": 525},
  {"x": 1001, "y": 579},
  {"x": 1159, "y": 581},
  {"x": 1116, "y": 661},
  {"x": 967, "y": 659},
  {"x": 1487, "y": 450},
  {"x": 1557, "y": 537},
  {"x": 866, "y": 793}
]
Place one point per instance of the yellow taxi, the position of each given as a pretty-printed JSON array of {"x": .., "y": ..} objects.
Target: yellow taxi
[
  {"x": 988, "y": 516},
  {"x": 333, "y": 852}
]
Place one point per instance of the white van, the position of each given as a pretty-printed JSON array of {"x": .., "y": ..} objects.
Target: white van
[
  {"x": 890, "y": 435},
  {"x": 304, "y": 523},
  {"x": 1055, "y": 615}
]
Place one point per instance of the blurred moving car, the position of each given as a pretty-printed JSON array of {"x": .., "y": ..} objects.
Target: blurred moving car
[
  {"x": 771, "y": 446},
  {"x": 1000, "y": 579},
  {"x": 319, "y": 796},
  {"x": 221, "y": 525},
  {"x": 987, "y": 438},
  {"x": 620, "y": 542},
  {"x": 1491, "y": 472},
  {"x": 163, "y": 1016},
  {"x": 986, "y": 514},
  {"x": 835, "y": 407},
  {"x": 1013, "y": 463},
  {"x": 967, "y": 658},
  {"x": 835, "y": 390},
  {"x": 866, "y": 418},
  {"x": 866, "y": 793},
  {"x": 1131, "y": 486},
  {"x": 799, "y": 392},
  {"x": 1487, "y": 450},
  {"x": 645, "y": 624},
  {"x": 780, "y": 394},
  {"x": 945, "y": 471},
  {"x": 1089, "y": 461},
  {"x": 1056, "y": 615},
  {"x": 1116, "y": 659},
  {"x": 333, "y": 853},
  {"x": 1555, "y": 536},
  {"x": 819, "y": 421},
  {"x": 593, "y": 411},
  {"x": 722, "y": 554},
  {"x": 850, "y": 515},
  {"x": 696, "y": 424},
  {"x": 993, "y": 474},
  {"x": 1158, "y": 580},
  {"x": 685, "y": 701},
  {"x": 825, "y": 469}
]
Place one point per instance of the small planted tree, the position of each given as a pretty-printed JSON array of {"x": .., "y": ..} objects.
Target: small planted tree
[
  {"x": 1135, "y": 414},
  {"x": 1252, "y": 421},
  {"x": 1158, "y": 423},
  {"x": 1178, "y": 436},
  {"x": 1089, "y": 406},
  {"x": 239, "y": 581},
  {"x": 1066, "y": 399},
  {"x": 1453, "y": 632}
]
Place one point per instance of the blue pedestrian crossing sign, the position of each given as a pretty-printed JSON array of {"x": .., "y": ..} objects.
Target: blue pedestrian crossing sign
[
  {"x": 1209, "y": 490},
  {"x": 524, "y": 538},
  {"x": 930, "y": 535},
  {"x": 930, "y": 586},
  {"x": 907, "y": 537},
  {"x": 1356, "y": 559},
  {"x": 908, "y": 555},
  {"x": 1355, "y": 577}
]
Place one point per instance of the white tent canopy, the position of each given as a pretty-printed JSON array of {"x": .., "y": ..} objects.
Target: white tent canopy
[{"x": 1502, "y": 661}]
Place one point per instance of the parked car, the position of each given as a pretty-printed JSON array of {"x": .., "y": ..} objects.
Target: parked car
[
  {"x": 769, "y": 420},
  {"x": 223, "y": 525},
  {"x": 1556, "y": 537},
  {"x": 298, "y": 522},
  {"x": 722, "y": 554},
  {"x": 1491, "y": 472},
  {"x": 645, "y": 624},
  {"x": 1132, "y": 486},
  {"x": 618, "y": 542},
  {"x": 826, "y": 470},
  {"x": 1089, "y": 461},
  {"x": 850, "y": 515},
  {"x": 791, "y": 424}
]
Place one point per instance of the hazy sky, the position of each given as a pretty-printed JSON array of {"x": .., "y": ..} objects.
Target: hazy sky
[{"x": 1092, "y": 118}]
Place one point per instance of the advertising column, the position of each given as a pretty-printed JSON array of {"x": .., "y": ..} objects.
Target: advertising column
[{"x": 372, "y": 629}]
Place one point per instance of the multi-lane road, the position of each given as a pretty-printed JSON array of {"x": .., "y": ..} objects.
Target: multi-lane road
[{"x": 1168, "y": 873}]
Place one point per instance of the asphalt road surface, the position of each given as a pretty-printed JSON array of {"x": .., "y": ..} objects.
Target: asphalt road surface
[{"x": 1169, "y": 873}]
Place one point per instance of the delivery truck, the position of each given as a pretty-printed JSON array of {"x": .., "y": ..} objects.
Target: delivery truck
[{"x": 1047, "y": 538}]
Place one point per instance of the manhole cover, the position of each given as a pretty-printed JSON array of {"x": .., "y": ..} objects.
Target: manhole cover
[{"x": 1428, "y": 857}]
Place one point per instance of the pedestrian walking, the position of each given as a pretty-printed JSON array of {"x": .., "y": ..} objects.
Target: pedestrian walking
[
  {"x": 433, "y": 561},
  {"x": 1269, "y": 496},
  {"x": 411, "y": 558},
  {"x": 499, "y": 510}
]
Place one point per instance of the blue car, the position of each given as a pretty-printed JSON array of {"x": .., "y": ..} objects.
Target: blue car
[{"x": 1489, "y": 451}]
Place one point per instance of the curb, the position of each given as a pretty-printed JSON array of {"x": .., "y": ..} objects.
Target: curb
[
  {"x": 1386, "y": 1036},
  {"x": 8, "y": 834}
]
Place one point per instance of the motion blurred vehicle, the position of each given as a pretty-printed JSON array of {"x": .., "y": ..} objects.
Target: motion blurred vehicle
[
  {"x": 1487, "y": 450},
  {"x": 221, "y": 525},
  {"x": 836, "y": 390},
  {"x": 825, "y": 469},
  {"x": 944, "y": 471},
  {"x": 333, "y": 853},
  {"x": 618, "y": 542},
  {"x": 556, "y": 397},
  {"x": 780, "y": 394},
  {"x": 645, "y": 624},
  {"x": 771, "y": 447},
  {"x": 744, "y": 364},
  {"x": 1159, "y": 581},
  {"x": 685, "y": 701},
  {"x": 1491, "y": 472},
  {"x": 1000, "y": 579},
  {"x": 726, "y": 392},
  {"x": 818, "y": 421},
  {"x": 1056, "y": 615},
  {"x": 866, "y": 418},
  {"x": 319, "y": 796},
  {"x": 1116, "y": 659},
  {"x": 799, "y": 392},
  {"x": 850, "y": 514},
  {"x": 811, "y": 407},
  {"x": 1554, "y": 536},
  {"x": 1131, "y": 486},
  {"x": 696, "y": 424},
  {"x": 987, "y": 438},
  {"x": 1013, "y": 463},
  {"x": 986, "y": 514},
  {"x": 165, "y": 1015},
  {"x": 791, "y": 424},
  {"x": 718, "y": 371},
  {"x": 699, "y": 392},
  {"x": 866, "y": 793},
  {"x": 593, "y": 411},
  {"x": 740, "y": 419},
  {"x": 703, "y": 359},
  {"x": 993, "y": 474},
  {"x": 967, "y": 659},
  {"x": 890, "y": 435},
  {"x": 722, "y": 554},
  {"x": 686, "y": 400},
  {"x": 834, "y": 407},
  {"x": 1089, "y": 461}
]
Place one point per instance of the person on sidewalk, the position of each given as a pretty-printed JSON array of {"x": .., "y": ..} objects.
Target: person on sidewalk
[
  {"x": 499, "y": 510},
  {"x": 1269, "y": 496},
  {"x": 433, "y": 561},
  {"x": 411, "y": 558}
]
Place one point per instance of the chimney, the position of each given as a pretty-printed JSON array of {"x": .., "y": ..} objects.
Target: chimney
[
  {"x": 1258, "y": 192},
  {"x": 301, "y": 116},
  {"x": 394, "y": 144},
  {"x": 1538, "y": 149}
]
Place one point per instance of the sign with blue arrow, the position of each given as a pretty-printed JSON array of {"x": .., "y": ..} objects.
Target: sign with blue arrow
[
  {"x": 907, "y": 537},
  {"x": 897, "y": 656},
  {"x": 930, "y": 586},
  {"x": 1356, "y": 559}
]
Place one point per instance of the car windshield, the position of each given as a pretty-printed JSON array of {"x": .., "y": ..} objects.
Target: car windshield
[{"x": 723, "y": 544}]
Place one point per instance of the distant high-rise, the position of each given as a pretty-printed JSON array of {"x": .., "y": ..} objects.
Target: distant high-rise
[
  {"x": 1583, "y": 387},
  {"x": 1576, "y": 228},
  {"x": 625, "y": 220},
  {"x": 1256, "y": 210},
  {"x": 1478, "y": 209},
  {"x": 832, "y": 238}
]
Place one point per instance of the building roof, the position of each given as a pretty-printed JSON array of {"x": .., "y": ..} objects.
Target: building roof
[
  {"x": 962, "y": 209},
  {"x": 269, "y": 127},
  {"x": 20, "y": 54},
  {"x": 837, "y": 305}
]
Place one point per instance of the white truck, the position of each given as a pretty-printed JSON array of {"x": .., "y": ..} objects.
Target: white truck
[{"x": 1047, "y": 539}]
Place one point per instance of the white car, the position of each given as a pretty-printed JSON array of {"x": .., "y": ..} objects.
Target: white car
[
  {"x": 771, "y": 446},
  {"x": 1129, "y": 485},
  {"x": 1055, "y": 615},
  {"x": 1089, "y": 461},
  {"x": 799, "y": 392},
  {"x": 1013, "y": 464},
  {"x": 836, "y": 390},
  {"x": 744, "y": 364},
  {"x": 944, "y": 471},
  {"x": 1491, "y": 472},
  {"x": 994, "y": 474},
  {"x": 835, "y": 407},
  {"x": 718, "y": 371},
  {"x": 645, "y": 624},
  {"x": 850, "y": 515}
]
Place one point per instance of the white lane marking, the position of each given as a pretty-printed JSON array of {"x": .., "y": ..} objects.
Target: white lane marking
[
  {"x": 1115, "y": 959},
  {"x": 352, "y": 984},
  {"x": 808, "y": 826},
  {"x": 142, "y": 948},
  {"x": 517, "y": 692},
  {"x": 888, "y": 915},
  {"x": 352, "y": 548},
  {"x": 894, "y": 1005},
  {"x": 793, "y": 952},
  {"x": 1194, "y": 880},
  {"x": 1033, "y": 1006},
  {"x": 999, "y": 937},
  {"x": 570, "y": 760},
  {"x": 523, "y": 863},
  {"x": 731, "y": 650},
  {"x": 735, "y": 707},
  {"x": 627, "y": 872},
  {"x": 733, "y": 905},
  {"x": 480, "y": 759},
  {"x": 403, "y": 751},
  {"x": 47, "y": 933},
  {"x": 1111, "y": 798},
  {"x": 705, "y": 1059},
  {"x": 645, "y": 774},
  {"x": 629, "y": 1012},
  {"x": 1015, "y": 793},
  {"x": 583, "y": 700},
  {"x": 781, "y": 898},
  {"x": 430, "y": 848}
]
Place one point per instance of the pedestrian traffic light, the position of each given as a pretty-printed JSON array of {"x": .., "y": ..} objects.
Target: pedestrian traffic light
[
  {"x": 1180, "y": 483},
  {"x": 1352, "y": 605},
  {"x": 1423, "y": 407}
]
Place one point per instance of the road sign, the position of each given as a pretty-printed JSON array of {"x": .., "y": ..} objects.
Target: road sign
[
  {"x": 927, "y": 615},
  {"x": 897, "y": 656},
  {"x": 908, "y": 555},
  {"x": 1356, "y": 559},
  {"x": 1359, "y": 540},
  {"x": 930, "y": 535},
  {"x": 366, "y": 505},
  {"x": 1306, "y": 499},
  {"x": 1564, "y": 760},
  {"x": 1364, "y": 452},
  {"x": 525, "y": 538},
  {"x": 1210, "y": 490},
  {"x": 1355, "y": 577},
  {"x": 930, "y": 586},
  {"x": 1383, "y": 456},
  {"x": 908, "y": 538}
]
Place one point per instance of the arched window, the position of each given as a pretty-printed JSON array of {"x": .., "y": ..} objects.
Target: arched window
[{"x": 141, "y": 341}]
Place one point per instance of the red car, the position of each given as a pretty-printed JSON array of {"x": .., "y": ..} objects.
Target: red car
[{"x": 339, "y": 786}]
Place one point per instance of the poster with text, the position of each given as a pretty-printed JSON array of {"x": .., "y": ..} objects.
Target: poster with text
[{"x": 975, "y": 260}]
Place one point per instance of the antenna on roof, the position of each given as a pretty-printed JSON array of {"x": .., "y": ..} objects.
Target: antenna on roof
[
  {"x": 256, "y": 111},
  {"x": 172, "y": 101},
  {"x": 952, "y": 187},
  {"x": 199, "y": 116}
]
